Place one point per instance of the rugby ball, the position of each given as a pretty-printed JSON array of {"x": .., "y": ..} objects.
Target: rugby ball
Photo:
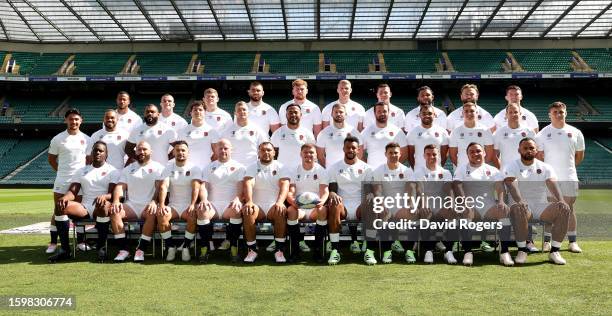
[{"x": 307, "y": 200}]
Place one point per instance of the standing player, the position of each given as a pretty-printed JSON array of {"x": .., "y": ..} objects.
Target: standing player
[
  {"x": 355, "y": 112},
  {"x": 425, "y": 99},
  {"x": 222, "y": 180},
  {"x": 289, "y": 139},
  {"x": 140, "y": 182},
  {"x": 216, "y": 117},
  {"x": 159, "y": 135},
  {"x": 376, "y": 137},
  {"x": 469, "y": 93},
  {"x": 261, "y": 113},
  {"x": 507, "y": 137},
  {"x": 200, "y": 137},
  {"x": 127, "y": 119},
  {"x": 244, "y": 136},
  {"x": 392, "y": 178},
  {"x": 514, "y": 95},
  {"x": 266, "y": 185},
  {"x": 470, "y": 131},
  {"x": 167, "y": 113},
  {"x": 96, "y": 181},
  {"x": 477, "y": 179},
  {"x": 67, "y": 154},
  {"x": 426, "y": 133},
  {"x": 345, "y": 180},
  {"x": 530, "y": 180},
  {"x": 331, "y": 139},
  {"x": 432, "y": 180},
  {"x": 396, "y": 115},
  {"x": 309, "y": 176},
  {"x": 181, "y": 184},
  {"x": 562, "y": 146},
  {"x": 114, "y": 138},
  {"x": 311, "y": 114}
]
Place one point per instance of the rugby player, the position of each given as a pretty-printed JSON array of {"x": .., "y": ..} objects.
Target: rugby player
[
  {"x": 514, "y": 95},
  {"x": 355, "y": 112},
  {"x": 469, "y": 93},
  {"x": 157, "y": 134},
  {"x": 376, "y": 137},
  {"x": 432, "y": 180},
  {"x": 426, "y": 133},
  {"x": 311, "y": 114},
  {"x": 222, "y": 181},
  {"x": 167, "y": 113},
  {"x": 331, "y": 139},
  {"x": 200, "y": 137},
  {"x": 96, "y": 181},
  {"x": 309, "y": 176},
  {"x": 244, "y": 136},
  {"x": 114, "y": 138},
  {"x": 127, "y": 119},
  {"x": 260, "y": 113},
  {"x": 181, "y": 185},
  {"x": 266, "y": 184},
  {"x": 529, "y": 180},
  {"x": 562, "y": 146},
  {"x": 470, "y": 131},
  {"x": 67, "y": 154},
  {"x": 345, "y": 180},
  {"x": 140, "y": 182},
  {"x": 392, "y": 177},
  {"x": 477, "y": 179},
  {"x": 396, "y": 115},
  {"x": 289, "y": 139},
  {"x": 214, "y": 116},
  {"x": 425, "y": 99}
]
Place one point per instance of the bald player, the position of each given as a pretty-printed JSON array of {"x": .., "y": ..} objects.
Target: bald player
[
  {"x": 470, "y": 131},
  {"x": 355, "y": 112},
  {"x": 158, "y": 135},
  {"x": 114, "y": 138}
]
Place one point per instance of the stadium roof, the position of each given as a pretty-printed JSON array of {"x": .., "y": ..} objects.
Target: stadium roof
[{"x": 203, "y": 20}]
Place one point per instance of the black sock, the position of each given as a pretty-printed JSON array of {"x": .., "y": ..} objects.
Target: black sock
[
  {"x": 571, "y": 238},
  {"x": 547, "y": 238},
  {"x": 353, "y": 231},
  {"x": 205, "y": 232},
  {"x": 428, "y": 245},
  {"x": 467, "y": 245},
  {"x": 142, "y": 244},
  {"x": 504, "y": 246},
  {"x": 62, "y": 232},
  {"x": 523, "y": 249},
  {"x": 169, "y": 242},
  {"x": 235, "y": 233},
  {"x": 335, "y": 245},
  {"x": 294, "y": 235},
  {"x": 80, "y": 237},
  {"x": 187, "y": 242},
  {"x": 530, "y": 233},
  {"x": 386, "y": 245},
  {"x": 280, "y": 245},
  {"x": 320, "y": 232},
  {"x": 554, "y": 249},
  {"x": 102, "y": 229},
  {"x": 448, "y": 245},
  {"x": 122, "y": 243},
  {"x": 53, "y": 236},
  {"x": 252, "y": 247},
  {"x": 409, "y": 245}
]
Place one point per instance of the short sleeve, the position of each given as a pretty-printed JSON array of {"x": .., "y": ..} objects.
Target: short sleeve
[
  {"x": 579, "y": 141},
  {"x": 310, "y": 139},
  {"x": 273, "y": 116},
  {"x": 133, "y": 138},
  {"x": 324, "y": 177},
  {"x": 54, "y": 146},
  {"x": 321, "y": 140},
  {"x": 114, "y": 176},
  {"x": 251, "y": 171},
  {"x": 275, "y": 138},
  {"x": 124, "y": 175},
  {"x": 317, "y": 119}
]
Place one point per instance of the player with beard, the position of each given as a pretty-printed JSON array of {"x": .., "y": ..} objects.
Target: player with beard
[
  {"x": 140, "y": 182},
  {"x": 127, "y": 119},
  {"x": 244, "y": 135},
  {"x": 469, "y": 93},
  {"x": 425, "y": 99},
  {"x": 96, "y": 181},
  {"x": 114, "y": 138},
  {"x": 470, "y": 131},
  {"x": 266, "y": 185},
  {"x": 261, "y": 113},
  {"x": 530, "y": 180},
  {"x": 200, "y": 136},
  {"x": 167, "y": 114},
  {"x": 311, "y": 114},
  {"x": 396, "y": 115},
  {"x": 67, "y": 155},
  {"x": 331, "y": 139},
  {"x": 159, "y": 135},
  {"x": 214, "y": 116},
  {"x": 181, "y": 184},
  {"x": 355, "y": 112},
  {"x": 426, "y": 133},
  {"x": 289, "y": 139},
  {"x": 376, "y": 137},
  {"x": 514, "y": 95}
]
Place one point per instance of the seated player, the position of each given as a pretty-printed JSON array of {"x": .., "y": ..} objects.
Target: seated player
[
  {"x": 345, "y": 181},
  {"x": 139, "y": 181},
  {"x": 96, "y": 182},
  {"x": 477, "y": 179},
  {"x": 393, "y": 178},
  {"x": 529, "y": 179},
  {"x": 309, "y": 176},
  {"x": 265, "y": 189},
  {"x": 432, "y": 180},
  {"x": 222, "y": 182},
  {"x": 181, "y": 179}
]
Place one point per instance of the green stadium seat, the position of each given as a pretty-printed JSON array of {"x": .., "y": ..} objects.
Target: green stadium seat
[
  {"x": 600, "y": 59},
  {"x": 227, "y": 62},
  {"x": 351, "y": 62},
  {"x": 163, "y": 63},
  {"x": 48, "y": 63},
  {"x": 481, "y": 60},
  {"x": 544, "y": 60},
  {"x": 100, "y": 63},
  {"x": 411, "y": 61},
  {"x": 292, "y": 62}
]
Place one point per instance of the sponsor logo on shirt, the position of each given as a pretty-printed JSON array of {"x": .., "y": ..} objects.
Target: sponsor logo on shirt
[
  {"x": 159, "y": 132},
  {"x": 479, "y": 134}
]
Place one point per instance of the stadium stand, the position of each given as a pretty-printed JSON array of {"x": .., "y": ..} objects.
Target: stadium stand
[
  {"x": 351, "y": 61},
  {"x": 26, "y": 61},
  {"x": 163, "y": 63},
  {"x": 596, "y": 160},
  {"x": 411, "y": 61},
  {"x": 48, "y": 64},
  {"x": 602, "y": 104},
  {"x": 227, "y": 62},
  {"x": 477, "y": 60},
  {"x": 21, "y": 151},
  {"x": 99, "y": 63},
  {"x": 598, "y": 59},
  {"x": 544, "y": 60},
  {"x": 287, "y": 62},
  {"x": 34, "y": 110}
]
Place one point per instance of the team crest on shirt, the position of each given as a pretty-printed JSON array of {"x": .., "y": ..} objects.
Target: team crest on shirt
[
  {"x": 214, "y": 168},
  {"x": 372, "y": 134},
  {"x": 233, "y": 133},
  {"x": 488, "y": 173},
  {"x": 360, "y": 171},
  {"x": 141, "y": 133},
  {"x": 263, "y": 112},
  {"x": 159, "y": 132},
  {"x": 232, "y": 168},
  {"x": 440, "y": 176},
  {"x": 390, "y": 133},
  {"x": 401, "y": 176},
  {"x": 150, "y": 170},
  {"x": 392, "y": 114},
  {"x": 524, "y": 117},
  {"x": 461, "y": 135},
  {"x": 118, "y": 137},
  {"x": 523, "y": 134},
  {"x": 505, "y": 134},
  {"x": 539, "y": 171},
  {"x": 419, "y": 134},
  {"x": 331, "y": 135},
  {"x": 218, "y": 119},
  {"x": 251, "y": 133},
  {"x": 467, "y": 172},
  {"x": 103, "y": 173},
  {"x": 129, "y": 120},
  {"x": 479, "y": 134},
  {"x": 315, "y": 176},
  {"x": 436, "y": 134},
  {"x": 301, "y": 137},
  {"x": 173, "y": 123},
  {"x": 353, "y": 109},
  {"x": 82, "y": 142},
  {"x": 273, "y": 172},
  {"x": 205, "y": 134},
  {"x": 479, "y": 117},
  {"x": 569, "y": 135},
  {"x": 549, "y": 135}
]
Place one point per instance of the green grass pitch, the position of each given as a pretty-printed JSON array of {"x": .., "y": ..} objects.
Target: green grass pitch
[{"x": 583, "y": 286}]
